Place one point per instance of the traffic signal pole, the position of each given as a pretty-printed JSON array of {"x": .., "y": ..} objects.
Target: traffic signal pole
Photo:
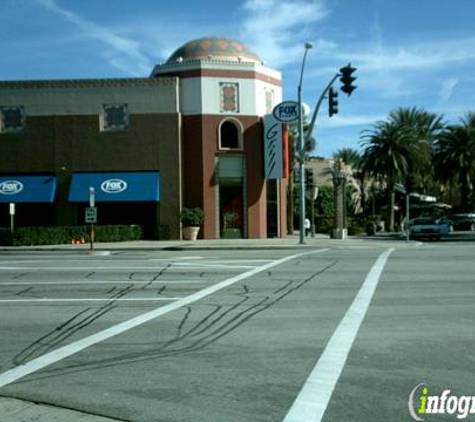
[
  {"x": 317, "y": 107},
  {"x": 347, "y": 80}
]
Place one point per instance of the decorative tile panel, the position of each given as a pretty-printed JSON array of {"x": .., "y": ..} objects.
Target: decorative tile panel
[
  {"x": 229, "y": 97},
  {"x": 12, "y": 119}
]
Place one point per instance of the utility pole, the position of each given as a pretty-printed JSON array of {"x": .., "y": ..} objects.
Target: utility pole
[{"x": 308, "y": 46}]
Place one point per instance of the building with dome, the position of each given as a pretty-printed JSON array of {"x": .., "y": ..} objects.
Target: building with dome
[{"x": 191, "y": 134}]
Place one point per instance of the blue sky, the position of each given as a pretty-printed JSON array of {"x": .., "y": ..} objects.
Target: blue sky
[{"x": 408, "y": 52}]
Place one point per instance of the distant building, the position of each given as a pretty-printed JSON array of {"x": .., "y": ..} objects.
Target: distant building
[
  {"x": 321, "y": 169},
  {"x": 191, "y": 135}
]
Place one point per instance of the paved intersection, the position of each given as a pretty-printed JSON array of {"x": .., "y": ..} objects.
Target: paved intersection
[{"x": 237, "y": 351}]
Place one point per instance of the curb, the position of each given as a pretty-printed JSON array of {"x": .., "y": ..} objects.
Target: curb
[{"x": 289, "y": 243}]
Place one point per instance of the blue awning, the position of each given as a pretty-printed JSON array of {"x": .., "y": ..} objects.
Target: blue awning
[
  {"x": 18, "y": 189},
  {"x": 116, "y": 187}
]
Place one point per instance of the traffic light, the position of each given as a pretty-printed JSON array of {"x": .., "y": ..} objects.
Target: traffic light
[
  {"x": 309, "y": 177},
  {"x": 332, "y": 102},
  {"x": 347, "y": 80}
]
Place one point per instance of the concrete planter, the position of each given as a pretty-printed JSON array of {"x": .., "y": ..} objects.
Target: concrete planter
[
  {"x": 340, "y": 234},
  {"x": 190, "y": 232}
]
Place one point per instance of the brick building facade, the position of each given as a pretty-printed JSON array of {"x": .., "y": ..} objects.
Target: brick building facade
[{"x": 195, "y": 124}]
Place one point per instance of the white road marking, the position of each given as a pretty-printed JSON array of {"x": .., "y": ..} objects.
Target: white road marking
[
  {"x": 234, "y": 261},
  {"x": 63, "y": 352},
  {"x": 88, "y": 260},
  {"x": 67, "y": 283},
  {"x": 89, "y": 267},
  {"x": 181, "y": 258},
  {"x": 313, "y": 399},
  {"x": 108, "y": 299},
  {"x": 187, "y": 265}
]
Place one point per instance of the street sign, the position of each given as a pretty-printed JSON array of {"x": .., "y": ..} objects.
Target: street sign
[
  {"x": 12, "y": 216},
  {"x": 91, "y": 215},
  {"x": 92, "y": 197},
  {"x": 287, "y": 111}
]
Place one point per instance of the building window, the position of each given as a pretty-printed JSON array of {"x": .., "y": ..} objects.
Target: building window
[
  {"x": 269, "y": 101},
  {"x": 114, "y": 117},
  {"x": 230, "y": 135},
  {"x": 12, "y": 119},
  {"x": 229, "y": 97}
]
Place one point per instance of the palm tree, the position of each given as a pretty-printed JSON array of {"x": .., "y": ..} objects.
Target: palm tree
[
  {"x": 349, "y": 156},
  {"x": 424, "y": 128},
  {"x": 399, "y": 150},
  {"x": 454, "y": 158},
  {"x": 386, "y": 157},
  {"x": 355, "y": 177}
]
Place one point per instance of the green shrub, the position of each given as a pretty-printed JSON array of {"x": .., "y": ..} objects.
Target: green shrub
[
  {"x": 6, "y": 237},
  {"x": 324, "y": 224},
  {"x": 36, "y": 235},
  {"x": 118, "y": 233},
  {"x": 192, "y": 216},
  {"x": 362, "y": 224},
  {"x": 356, "y": 226}
]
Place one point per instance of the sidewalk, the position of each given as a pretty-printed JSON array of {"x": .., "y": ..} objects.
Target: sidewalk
[
  {"x": 14, "y": 410},
  {"x": 289, "y": 242}
]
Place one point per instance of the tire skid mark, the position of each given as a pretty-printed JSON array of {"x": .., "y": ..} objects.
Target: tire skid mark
[{"x": 217, "y": 323}]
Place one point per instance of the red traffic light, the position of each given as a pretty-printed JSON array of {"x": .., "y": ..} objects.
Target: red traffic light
[{"x": 347, "y": 80}]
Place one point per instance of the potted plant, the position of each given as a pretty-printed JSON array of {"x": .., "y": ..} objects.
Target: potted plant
[{"x": 192, "y": 219}]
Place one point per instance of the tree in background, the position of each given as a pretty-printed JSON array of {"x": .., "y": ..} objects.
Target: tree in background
[
  {"x": 349, "y": 156},
  {"x": 309, "y": 146},
  {"x": 424, "y": 129},
  {"x": 356, "y": 181},
  {"x": 454, "y": 159},
  {"x": 399, "y": 151},
  {"x": 385, "y": 158}
]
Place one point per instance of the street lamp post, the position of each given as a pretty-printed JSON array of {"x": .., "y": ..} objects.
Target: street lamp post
[{"x": 308, "y": 46}]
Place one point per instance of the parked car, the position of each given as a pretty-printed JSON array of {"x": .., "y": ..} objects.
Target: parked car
[
  {"x": 464, "y": 221},
  {"x": 426, "y": 227},
  {"x": 447, "y": 221}
]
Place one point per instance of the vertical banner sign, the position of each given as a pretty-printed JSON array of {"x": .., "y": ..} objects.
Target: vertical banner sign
[
  {"x": 273, "y": 154},
  {"x": 285, "y": 150}
]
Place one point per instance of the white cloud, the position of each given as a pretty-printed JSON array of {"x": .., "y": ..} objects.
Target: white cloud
[
  {"x": 447, "y": 89},
  {"x": 125, "y": 53},
  {"x": 277, "y": 30},
  {"x": 427, "y": 55},
  {"x": 405, "y": 70},
  {"x": 352, "y": 120}
]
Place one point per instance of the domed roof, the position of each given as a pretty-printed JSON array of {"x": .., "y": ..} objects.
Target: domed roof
[{"x": 214, "y": 47}]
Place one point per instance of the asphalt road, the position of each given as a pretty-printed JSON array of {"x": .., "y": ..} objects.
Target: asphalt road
[{"x": 331, "y": 333}]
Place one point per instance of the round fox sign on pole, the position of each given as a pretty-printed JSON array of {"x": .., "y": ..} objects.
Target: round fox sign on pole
[{"x": 287, "y": 111}]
